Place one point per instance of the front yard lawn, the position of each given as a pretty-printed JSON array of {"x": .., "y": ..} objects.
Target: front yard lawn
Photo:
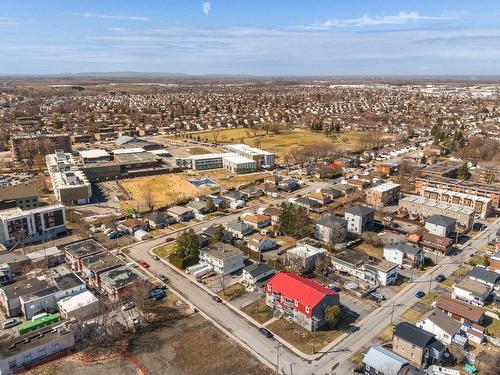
[
  {"x": 165, "y": 250},
  {"x": 493, "y": 329},
  {"x": 428, "y": 299},
  {"x": 386, "y": 333},
  {"x": 412, "y": 315},
  {"x": 301, "y": 338},
  {"x": 232, "y": 292},
  {"x": 259, "y": 311}
]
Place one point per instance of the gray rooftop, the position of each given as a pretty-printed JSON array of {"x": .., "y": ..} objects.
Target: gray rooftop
[
  {"x": 384, "y": 360},
  {"x": 485, "y": 275},
  {"x": 440, "y": 220},
  {"x": 443, "y": 321},
  {"x": 256, "y": 270},
  {"x": 413, "y": 334},
  {"x": 360, "y": 210}
]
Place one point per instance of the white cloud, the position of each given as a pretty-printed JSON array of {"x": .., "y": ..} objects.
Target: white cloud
[
  {"x": 7, "y": 21},
  {"x": 111, "y": 16},
  {"x": 206, "y": 8},
  {"x": 398, "y": 19}
]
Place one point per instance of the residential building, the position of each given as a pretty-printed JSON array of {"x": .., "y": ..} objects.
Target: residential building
[
  {"x": 6, "y": 276},
  {"x": 158, "y": 219},
  {"x": 440, "y": 325},
  {"x": 417, "y": 345},
  {"x": 440, "y": 225},
  {"x": 460, "y": 311},
  {"x": 302, "y": 300},
  {"x": 19, "y": 352},
  {"x": 80, "y": 306},
  {"x": 405, "y": 255},
  {"x": 442, "y": 169},
  {"x": 93, "y": 266},
  {"x": 486, "y": 277},
  {"x": 461, "y": 186},
  {"x": 40, "y": 294},
  {"x": 418, "y": 208},
  {"x": 19, "y": 264},
  {"x": 180, "y": 213},
  {"x": 364, "y": 267},
  {"x": 259, "y": 243},
  {"x": 78, "y": 250},
  {"x": 481, "y": 205},
  {"x": 37, "y": 224},
  {"x": 119, "y": 283},
  {"x": 306, "y": 253},
  {"x": 224, "y": 258},
  {"x": 383, "y": 195},
  {"x": 431, "y": 242},
  {"x": 257, "y": 221},
  {"x": 26, "y": 146},
  {"x": 381, "y": 361},
  {"x": 23, "y": 196},
  {"x": 331, "y": 229},
  {"x": 238, "y": 228},
  {"x": 471, "y": 291},
  {"x": 359, "y": 218},
  {"x": 495, "y": 262},
  {"x": 254, "y": 276},
  {"x": 48, "y": 257},
  {"x": 132, "y": 225}
]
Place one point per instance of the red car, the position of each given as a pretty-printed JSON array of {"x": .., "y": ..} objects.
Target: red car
[
  {"x": 169, "y": 239},
  {"x": 144, "y": 264}
]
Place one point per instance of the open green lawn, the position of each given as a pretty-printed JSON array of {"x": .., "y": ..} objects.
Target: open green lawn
[
  {"x": 479, "y": 260},
  {"x": 428, "y": 299},
  {"x": 232, "y": 292},
  {"x": 259, "y": 311},
  {"x": 165, "y": 250},
  {"x": 493, "y": 328},
  {"x": 305, "y": 341}
]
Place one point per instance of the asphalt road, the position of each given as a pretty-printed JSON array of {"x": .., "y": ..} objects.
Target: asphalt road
[{"x": 335, "y": 359}]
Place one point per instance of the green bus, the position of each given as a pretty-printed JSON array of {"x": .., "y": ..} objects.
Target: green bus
[{"x": 38, "y": 323}]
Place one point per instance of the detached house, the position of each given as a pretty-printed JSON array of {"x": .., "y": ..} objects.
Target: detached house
[
  {"x": 440, "y": 225},
  {"x": 404, "y": 255},
  {"x": 238, "y": 228},
  {"x": 417, "y": 345},
  {"x": 331, "y": 229},
  {"x": 460, "y": 311},
  {"x": 257, "y": 221},
  {"x": 259, "y": 243},
  {"x": 486, "y": 277},
  {"x": 441, "y": 325},
  {"x": 359, "y": 218},
  {"x": 254, "y": 276},
  {"x": 301, "y": 299},
  {"x": 180, "y": 213},
  {"x": 471, "y": 291}
]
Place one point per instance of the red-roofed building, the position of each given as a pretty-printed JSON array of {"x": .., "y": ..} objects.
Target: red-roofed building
[{"x": 302, "y": 299}]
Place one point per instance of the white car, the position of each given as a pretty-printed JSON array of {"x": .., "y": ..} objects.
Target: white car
[
  {"x": 134, "y": 320},
  {"x": 128, "y": 306}
]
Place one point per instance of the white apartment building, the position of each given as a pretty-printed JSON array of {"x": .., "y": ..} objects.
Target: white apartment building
[
  {"x": 36, "y": 224},
  {"x": 69, "y": 182},
  {"x": 263, "y": 158},
  {"x": 224, "y": 258}
]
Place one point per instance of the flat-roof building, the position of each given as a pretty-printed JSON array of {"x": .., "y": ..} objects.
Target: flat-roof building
[
  {"x": 263, "y": 158},
  {"x": 480, "y": 205},
  {"x": 383, "y": 195},
  {"x": 422, "y": 208}
]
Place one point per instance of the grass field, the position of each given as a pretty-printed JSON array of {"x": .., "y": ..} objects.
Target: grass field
[
  {"x": 165, "y": 250},
  {"x": 166, "y": 190},
  {"x": 284, "y": 142},
  {"x": 232, "y": 292},
  {"x": 259, "y": 311},
  {"x": 412, "y": 315},
  {"x": 304, "y": 340},
  {"x": 370, "y": 250},
  {"x": 233, "y": 181}
]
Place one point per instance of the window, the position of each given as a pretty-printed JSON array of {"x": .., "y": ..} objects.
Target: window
[
  {"x": 413, "y": 346},
  {"x": 413, "y": 355},
  {"x": 12, "y": 364},
  {"x": 307, "y": 309},
  {"x": 367, "y": 368},
  {"x": 296, "y": 303}
]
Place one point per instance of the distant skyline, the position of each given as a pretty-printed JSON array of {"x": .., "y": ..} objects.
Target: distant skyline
[{"x": 258, "y": 37}]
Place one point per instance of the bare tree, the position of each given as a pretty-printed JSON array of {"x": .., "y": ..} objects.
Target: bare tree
[
  {"x": 294, "y": 264},
  {"x": 148, "y": 198}
]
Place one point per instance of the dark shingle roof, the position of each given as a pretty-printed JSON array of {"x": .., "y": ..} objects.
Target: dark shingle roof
[
  {"x": 484, "y": 275},
  {"x": 328, "y": 220},
  {"x": 440, "y": 220},
  {"x": 360, "y": 210},
  {"x": 413, "y": 334},
  {"x": 258, "y": 269}
]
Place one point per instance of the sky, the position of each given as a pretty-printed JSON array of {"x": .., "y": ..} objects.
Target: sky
[{"x": 252, "y": 37}]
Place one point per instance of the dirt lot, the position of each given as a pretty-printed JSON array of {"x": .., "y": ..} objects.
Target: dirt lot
[
  {"x": 190, "y": 346},
  {"x": 193, "y": 346},
  {"x": 166, "y": 190}
]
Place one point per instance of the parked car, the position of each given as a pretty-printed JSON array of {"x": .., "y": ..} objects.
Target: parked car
[
  {"x": 440, "y": 278},
  {"x": 113, "y": 235},
  {"x": 334, "y": 287},
  {"x": 155, "y": 257},
  {"x": 128, "y": 306},
  {"x": 157, "y": 294},
  {"x": 144, "y": 264},
  {"x": 134, "y": 320},
  {"x": 216, "y": 299},
  {"x": 162, "y": 277},
  {"x": 170, "y": 239},
  {"x": 9, "y": 323},
  {"x": 419, "y": 294},
  {"x": 164, "y": 287},
  {"x": 265, "y": 332},
  {"x": 377, "y": 297}
]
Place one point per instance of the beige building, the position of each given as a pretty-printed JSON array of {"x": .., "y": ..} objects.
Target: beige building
[
  {"x": 419, "y": 208},
  {"x": 383, "y": 195},
  {"x": 480, "y": 205}
]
